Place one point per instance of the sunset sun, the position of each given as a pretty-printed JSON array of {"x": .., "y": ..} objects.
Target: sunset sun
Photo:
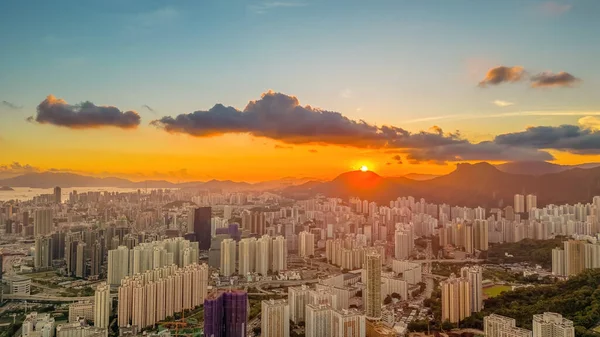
[{"x": 364, "y": 168}]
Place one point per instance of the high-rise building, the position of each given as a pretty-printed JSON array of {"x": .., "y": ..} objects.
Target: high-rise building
[
  {"x": 254, "y": 222},
  {"x": 118, "y": 265},
  {"x": 57, "y": 195},
  {"x": 226, "y": 314},
  {"x": 403, "y": 243},
  {"x": 228, "y": 250},
  {"x": 474, "y": 275},
  {"x": 456, "y": 299},
  {"x": 42, "y": 222},
  {"x": 306, "y": 244},
  {"x": 247, "y": 256},
  {"x": 43, "y": 252},
  {"x": 481, "y": 235},
  {"x": 559, "y": 266},
  {"x": 574, "y": 256},
  {"x": 202, "y": 225},
  {"x": 318, "y": 320},
  {"x": 519, "y": 203},
  {"x": 102, "y": 303},
  {"x": 373, "y": 290},
  {"x": 298, "y": 299},
  {"x": 263, "y": 255},
  {"x": 275, "y": 318},
  {"x": 530, "y": 202},
  {"x": 81, "y": 270},
  {"x": 551, "y": 324},
  {"x": 347, "y": 323},
  {"x": 279, "y": 254}
]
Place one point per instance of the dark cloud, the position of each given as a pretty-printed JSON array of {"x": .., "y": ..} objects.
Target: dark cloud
[
  {"x": 283, "y": 147},
  {"x": 571, "y": 138},
  {"x": 548, "y": 79},
  {"x": 281, "y": 117},
  {"x": 85, "y": 115},
  {"x": 30, "y": 119},
  {"x": 476, "y": 151},
  {"x": 147, "y": 107},
  {"x": 397, "y": 158},
  {"x": 11, "y": 105},
  {"x": 502, "y": 74},
  {"x": 388, "y": 163},
  {"x": 313, "y": 151}
]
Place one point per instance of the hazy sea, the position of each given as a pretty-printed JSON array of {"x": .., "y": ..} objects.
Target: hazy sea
[{"x": 26, "y": 193}]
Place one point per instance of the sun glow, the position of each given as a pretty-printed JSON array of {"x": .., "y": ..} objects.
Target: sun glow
[{"x": 364, "y": 168}]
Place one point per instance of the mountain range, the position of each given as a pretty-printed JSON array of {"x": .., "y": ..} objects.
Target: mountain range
[
  {"x": 67, "y": 180},
  {"x": 469, "y": 185}
]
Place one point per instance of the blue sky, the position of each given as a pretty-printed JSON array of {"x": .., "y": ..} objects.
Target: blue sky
[{"x": 385, "y": 61}]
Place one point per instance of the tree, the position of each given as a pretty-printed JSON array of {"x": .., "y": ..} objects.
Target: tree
[
  {"x": 387, "y": 300},
  {"x": 396, "y": 296},
  {"x": 256, "y": 331}
]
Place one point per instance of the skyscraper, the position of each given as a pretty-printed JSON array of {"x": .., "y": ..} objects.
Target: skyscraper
[
  {"x": 474, "y": 275},
  {"x": 275, "y": 318},
  {"x": 118, "y": 265},
  {"x": 228, "y": 250},
  {"x": 255, "y": 222},
  {"x": 347, "y": 323},
  {"x": 530, "y": 202},
  {"x": 102, "y": 306},
  {"x": 279, "y": 254},
  {"x": 43, "y": 252},
  {"x": 403, "y": 243},
  {"x": 373, "y": 290},
  {"x": 42, "y": 222},
  {"x": 306, "y": 244},
  {"x": 202, "y": 219},
  {"x": 57, "y": 195},
  {"x": 519, "y": 203},
  {"x": 298, "y": 299},
  {"x": 574, "y": 256},
  {"x": 246, "y": 256},
  {"x": 551, "y": 324},
  {"x": 225, "y": 314},
  {"x": 456, "y": 299}
]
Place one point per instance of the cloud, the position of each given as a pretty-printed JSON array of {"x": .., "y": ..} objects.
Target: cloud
[
  {"x": 11, "y": 105},
  {"x": 549, "y": 79},
  {"x": 346, "y": 93},
  {"x": 398, "y": 159},
  {"x": 502, "y": 74},
  {"x": 589, "y": 122},
  {"x": 154, "y": 17},
  {"x": 502, "y": 103},
  {"x": 58, "y": 112},
  {"x": 388, "y": 163},
  {"x": 281, "y": 117},
  {"x": 283, "y": 147},
  {"x": 553, "y": 8},
  {"x": 475, "y": 151},
  {"x": 313, "y": 151},
  {"x": 264, "y": 7},
  {"x": 147, "y": 107},
  {"x": 15, "y": 169},
  {"x": 579, "y": 139},
  {"x": 30, "y": 119}
]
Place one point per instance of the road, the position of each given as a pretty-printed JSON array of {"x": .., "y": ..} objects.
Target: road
[
  {"x": 449, "y": 261},
  {"x": 45, "y": 298}
]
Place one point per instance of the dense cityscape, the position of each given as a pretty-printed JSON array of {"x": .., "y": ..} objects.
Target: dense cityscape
[{"x": 205, "y": 263}]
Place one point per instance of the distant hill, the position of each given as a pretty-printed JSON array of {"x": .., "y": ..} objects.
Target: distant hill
[
  {"x": 66, "y": 180},
  {"x": 470, "y": 185},
  {"x": 419, "y": 176},
  {"x": 539, "y": 167}
]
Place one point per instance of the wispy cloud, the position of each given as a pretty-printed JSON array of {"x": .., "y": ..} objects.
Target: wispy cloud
[
  {"x": 157, "y": 16},
  {"x": 346, "y": 93},
  {"x": 540, "y": 113},
  {"x": 553, "y": 8},
  {"x": 502, "y": 103},
  {"x": 11, "y": 105},
  {"x": 264, "y": 7}
]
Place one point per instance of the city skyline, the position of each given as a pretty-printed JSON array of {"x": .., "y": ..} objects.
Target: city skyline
[{"x": 261, "y": 90}]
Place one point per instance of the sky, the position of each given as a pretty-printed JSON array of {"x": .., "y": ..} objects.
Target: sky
[{"x": 258, "y": 90}]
